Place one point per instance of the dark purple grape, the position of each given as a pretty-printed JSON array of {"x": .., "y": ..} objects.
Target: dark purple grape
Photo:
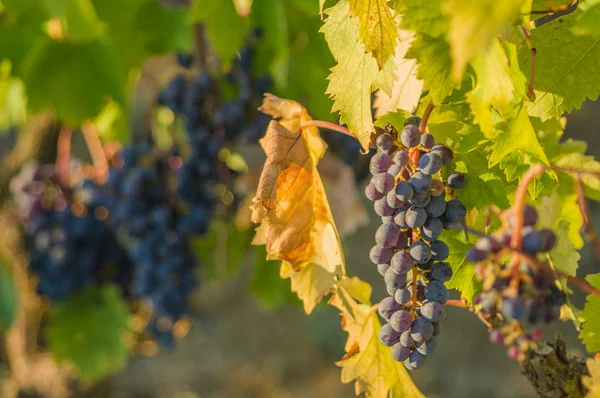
[
  {"x": 436, "y": 291},
  {"x": 380, "y": 163},
  {"x": 513, "y": 308},
  {"x": 402, "y": 262},
  {"x": 421, "y": 182},
  {"x": 404, "y": 191},
  {"x": 413, "y": 120},
  {"x": 381, "y": 268},
  {"x": 427, "y": 141},
  {"x": 439, "y": 250},
  {"x": 426, "y": 266},
  {"x": 475, "y": 255},
  {"x": 406, "y": 339},
  {"x": 372, "y": 193},
  {"x": 530, "y": 216},
  {"x": 379, "y": 255},
  {"x": 427, "y": 347},
  {"x": 393, "y": 200},
  {"x": 420, "y": 252},
  {"x": 441, "y": 271},
  {"x": 401, "y": 320},
  {"x": 548, "y": 239},
  {"x": 443, "y": 152},
  {"x": 430, "y": 163},
  {"x": 421, "y": 199},
  {"x": 415, "y": 217},
  {"x": 391, "y": 290},
  {"x": 436, "y": 206},
  {"x": 403, "y": 296},
  {"x": 455, "y": 210},
  {"x": 387, "y": 307},
  {"x": 385, "y": 142},
  {"x": 432, "y": 229},
  {"x": 432, "y": 311},
  {"x": 402, "y": 241},
  {"x": 400, "y": 217},
  {"x": 457, "y": 180},
  {"x": 415, "y": 361},
  {"x": 387, "y": 235},
  {"x": 393, "y": 279},
  {"x": 421, "y": 330},
  {"x": 382, "y": 208},
  {"x": 394, "y": 170},
  {"x": 384, "y": 182},
  {"x": 488, "y": 245},
  {"x": 400, "y": 353},
  {"x": 532, "y": 240},
  {"x": 388, "y": 336},
  {"x": 401, "y": 158},
  {"x": 410, "y": 136}
]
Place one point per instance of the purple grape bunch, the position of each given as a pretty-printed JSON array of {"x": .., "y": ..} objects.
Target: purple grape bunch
[{"x": 414, "y": 204}]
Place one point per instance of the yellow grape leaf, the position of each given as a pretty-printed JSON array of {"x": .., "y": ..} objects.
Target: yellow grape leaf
[
  {"x": 368, "y": 362},
  {"x": 407, "y": 88},
  {"x": 290, "y": 204},
  {"x": 377, "y": 28},
  {"x": 592, "y": 382},
  {"x": 311, "y": 283},
  {"x": 474, "y": 24}
]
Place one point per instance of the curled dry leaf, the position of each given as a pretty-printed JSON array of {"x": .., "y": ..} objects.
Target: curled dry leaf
[{"x": 296, "y": 223}]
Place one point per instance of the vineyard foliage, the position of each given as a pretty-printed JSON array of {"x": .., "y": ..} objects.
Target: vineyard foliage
[{"x": 492, "y": 80}]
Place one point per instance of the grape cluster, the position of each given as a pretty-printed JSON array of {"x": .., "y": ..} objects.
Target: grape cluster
[
  {"x": 69, "y": 243},
  {"x": 410, "y": 198},
  {"x": 536, "y": 297},
  {"x": 518, "y": 341}
]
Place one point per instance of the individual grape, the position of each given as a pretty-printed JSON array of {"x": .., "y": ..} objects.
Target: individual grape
[
  {"x": 410, "y": 136},
  {"x": 436, "y": 291},
  {"x": 421, "y": 199},
  {"x": 432, "y": 229},
  {"x": 436, "y": 206},
  {"x": 382, "y": 208},
  {"x": 497, "y": 337},
  {"x": 372, "y": 193},
  {"x": 400, "y": 217},
  {"x": 530, "y": 216},
  {"x": 427, "y": 347},
  {"x": 402, "y": 262},
  {"x": 488, "y": 245},
  {"x": 400, "y": 353},
  {"x": 421, "y": 330},
  {"x": 385, "y": 142},
  {"x": 388, "y": 336},
  {"x": 404, "y": 191},
  {"x": 185, "y": 60},
  {"x": 381, "y": 268},
  {"x": 394, "y": 170},
  {"x": 451, "y": 225},
  {"x": 406, "y": 339},
  {"x": 426, "y": 266},
  {"x": 513, "y": 308},
  {"x": 443, "y": 152},
  {"x": 455, "y": 210},
  {"x": 402, "y": 241},
  {"x": 393, "y": 200},
  {"x": 475, "y": 255},
  {"x": 457, "y": 180},
  {"x": 415, "y": 361},
  {"x": 430, "y": 163},
  {"x": 391, "y": 290},
  {"x": 393, "y": 279},
  {"x": 441, "y": 271},
  {"x": 413, "y": 120},
  {"x": 415, "y": 217},
  {"x": 432, "y": 311},
  {"x": 532, "y": 240},
  {"x": 380, "y": 163},
  {"x": 420, "y": 252},
  {"x": 403, "y": 296},
  {"x": 427, "y": 141},
  {"x": 384, "y": 182},
  {"x": 379, "y": 255},
  {"x": 387, "y": 307},
  {"x": 387, "y": 235},
  {"x": 421, "y": 182},
  {"x": 437, "y": 188},
  {"x": 537, "y": 334},
  {"x": 386, "y": 219},
  {"x": 513, "y": 352},
  {"x": 548, "y": 238},
  {"x": 401, "y": 158},
  {"x": 437, "y": 329},
  {"x": 401, "y": 320}
]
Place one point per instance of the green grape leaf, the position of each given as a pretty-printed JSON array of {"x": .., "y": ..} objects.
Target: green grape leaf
[
  {"x": 433, "y": 58},
  {"x": 494, "y": 88},
  {"x": 589, "y": 21},
  {"x": 580, "y": 161},
  {"x": 226, "y": 30},
  {"x": 269, "y": 290},
  {"x": 423, "y": 17},
  {"x": 311, "y": 283},
  {"x": 81, "y": 21},
  {"x": 486, "y": 186},
  {"x": 75, "y": 79},
  {"x": 590, "y": 334},
  {"x": 474, "y": 24},
  {"x": 517, "y": 135},
  {"x": 87, "y": 329},
  {"x": 13, "y": 101},
  {"x": 355, "y": 76},
  {"x": 9, "y": 300},
  {"x": 565, "y": 68},
  {"x": 463, "y": 272},
  {"x": 377, "y": 28}
]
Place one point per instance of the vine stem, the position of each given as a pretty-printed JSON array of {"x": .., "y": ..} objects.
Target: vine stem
[
  {"x": 457, "y": 303},
  {"x": 553, "y": 10},
  {"x": 425, "y": 118},
  {"x": 328, "y": 125},
  {"x": 96, "y": 151},
  {"x": 63, "y": 153},
  {"x": 533, "y": 50}
]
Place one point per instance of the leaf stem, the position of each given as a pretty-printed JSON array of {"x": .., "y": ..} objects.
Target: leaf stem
[
  {"x": 63, "y": 154},
  {"x": 530, "y": 92},
  {"x": 425, "y": 118},
  {"x": 96, "y": 151},
  {"x": 328, "y": 125}
]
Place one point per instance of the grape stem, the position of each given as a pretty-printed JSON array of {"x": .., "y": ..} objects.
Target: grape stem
[
  {"x": 533, "y": 50},
  {"x": 328, "y": 125},
  {"x": 457, "y": 303},
  {"x": 415, "y": 273},
  {"x": 63, "y": 154},
  {"x": 425, "y": 117},
  {"x": 96, "y": 151}
]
